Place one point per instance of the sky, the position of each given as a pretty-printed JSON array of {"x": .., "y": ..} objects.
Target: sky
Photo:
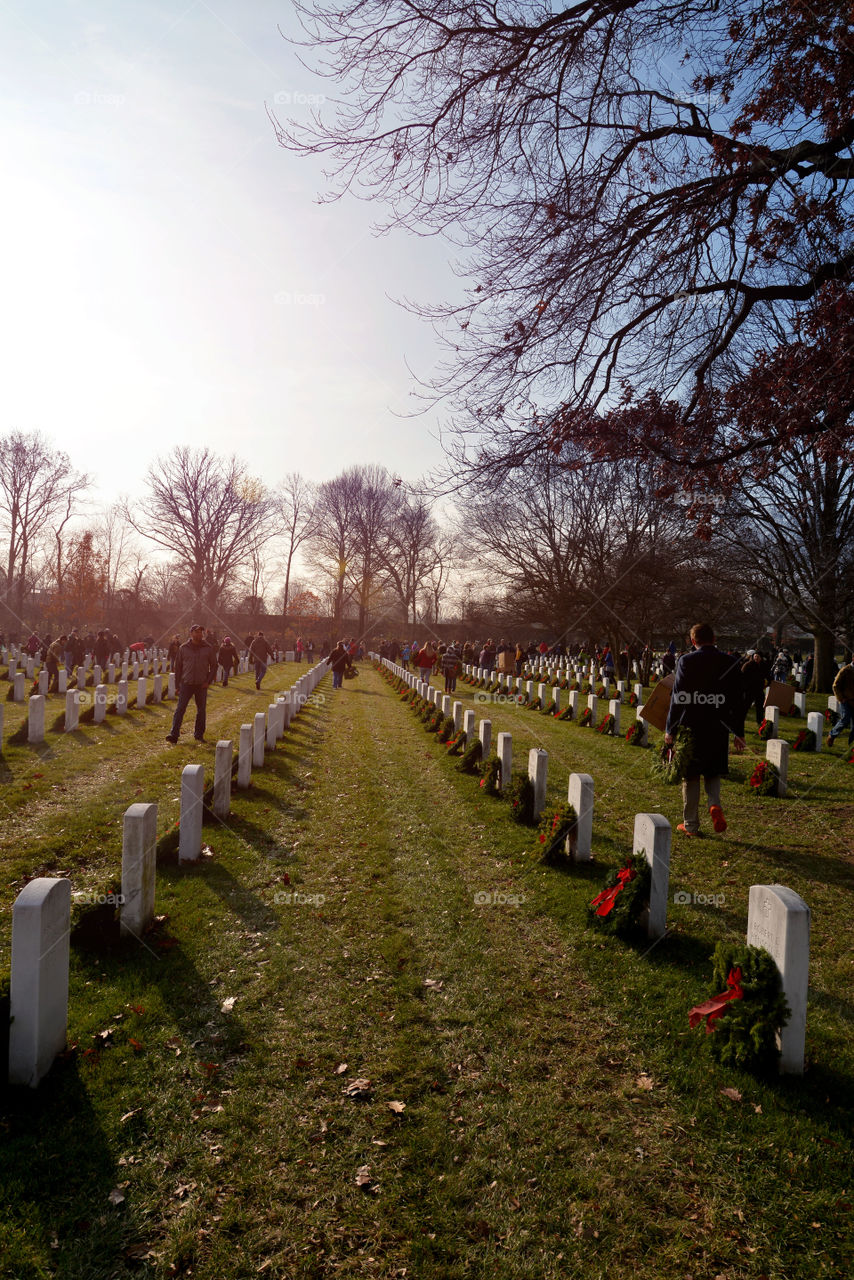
[{"x": 169, "y": 277}]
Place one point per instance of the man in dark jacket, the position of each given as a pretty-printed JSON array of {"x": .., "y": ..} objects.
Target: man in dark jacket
[
  {"x": 754, "y": 673},
  {"x": 195, "y": 668},
  {"x": 708, "y": 700},
  {"x": 228, "y": 659},
  {"x": 260, "y": 652},
  {"x": 339, "y": 661}
]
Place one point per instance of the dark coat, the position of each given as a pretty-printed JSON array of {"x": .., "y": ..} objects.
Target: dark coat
[
  {"x": 708, "y": 698},
  {"x": 195, "y": 664}
]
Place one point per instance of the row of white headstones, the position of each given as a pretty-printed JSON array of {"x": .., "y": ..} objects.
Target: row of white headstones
[
  {"x": 778, "y": 919},
  {"x": 776, "y": 750},
  {"x": 516, "y": 686},
  {"x": 41, "y": 915}
]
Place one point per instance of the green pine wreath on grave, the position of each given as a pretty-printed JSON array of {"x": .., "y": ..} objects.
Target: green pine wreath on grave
[
  {"x": 623, "y": 899},
  {"x": 446, "y": 729},
  {"x": 490, "y": 771},
  {"x": 557, "y": 824},
  {"x": 533, "y": 705},
  {"x": 606, "y": 724},
  {"x": 765, "y": 731},
  {"x": 633, "y": 699},
  {"x": 456, "y": 745},
  {"x": 520, "y": 795},
  {"x": 671, "y": 762},
  {"x": 634, "y": 737},
  {"x": 765, "y": 779},
  {"x": 471, "y": 757},
  {"x": 550, "y": 710},
  {"x": 566, "y": 714},
  {"x": 747, "y": 1010},
  {"x": 434, "y": 721},
  {"x": 805, "y": 741},
  {"x": 585, "y": 718}
]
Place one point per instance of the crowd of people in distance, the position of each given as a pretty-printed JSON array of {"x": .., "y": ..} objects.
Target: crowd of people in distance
[{"x": 435, "y": 657}]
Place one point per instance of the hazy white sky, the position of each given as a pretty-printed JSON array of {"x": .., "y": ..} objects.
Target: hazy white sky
[{"x": 169, "y": 277}]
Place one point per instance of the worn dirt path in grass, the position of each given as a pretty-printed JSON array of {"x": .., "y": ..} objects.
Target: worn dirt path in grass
[
  {"x": 98, "y": 771},
  {"x": 533, "y": 1142}
]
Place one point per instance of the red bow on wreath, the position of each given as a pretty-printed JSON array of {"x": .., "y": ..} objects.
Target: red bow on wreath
[
  {"x": 712, "y": 1009},
  {"x": 606, "y": 899}
]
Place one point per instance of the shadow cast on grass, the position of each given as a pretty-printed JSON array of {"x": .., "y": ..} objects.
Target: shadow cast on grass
[{"x": 56, "y": 1176}]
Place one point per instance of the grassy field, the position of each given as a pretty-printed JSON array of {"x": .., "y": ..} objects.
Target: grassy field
[{"x": 330, "y": 1058}]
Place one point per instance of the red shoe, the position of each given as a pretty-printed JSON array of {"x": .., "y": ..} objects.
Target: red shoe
[
  {"x": 685, "y": 830},
  {"x": 718, "y": 819}
]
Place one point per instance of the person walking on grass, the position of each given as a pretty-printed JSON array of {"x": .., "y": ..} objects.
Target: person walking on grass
[
  {"x": 339, "y": 661},
  {"x": 707, "y": 699},
  {"x": 843, "y": 689},
  {"x": 53, "y": 658},
  {"x": 195, "y": 669},
  {"x": 260, "y": 653},
  {"x": 450, "y": 668},
  {"x": 228, "y": 659}
]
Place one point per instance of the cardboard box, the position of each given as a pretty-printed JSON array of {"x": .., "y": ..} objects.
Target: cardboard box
[
  {"x": 780, "y": 695},
  {"x": 656, "y": 707}
]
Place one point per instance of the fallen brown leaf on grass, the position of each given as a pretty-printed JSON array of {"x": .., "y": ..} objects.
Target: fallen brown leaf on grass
[
  {"x": 734, "y": 1094},
  {"x": 397, "y": 1107},
  {"x": 358, "y": 1088}
]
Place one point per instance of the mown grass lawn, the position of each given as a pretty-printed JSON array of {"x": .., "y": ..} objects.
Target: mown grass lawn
[{"x": 226, "y": 1110}]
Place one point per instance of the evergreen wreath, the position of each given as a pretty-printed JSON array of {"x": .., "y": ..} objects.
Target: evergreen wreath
[
  {"x": 457, "y": 744},
  {"x": 623, "y": 899},
  {"x": 520, "y": 796},
  {"x": 434, "y": 721},
  {"x": 601, "y": 692},
  {"x": 633, "y": 699},
  {"x": 472, "y": 757},
  {"x": 491, "y": 775},
  {"x": 745, "y": 1030},
  {"x": 805, "y": 741},
  {"x": 566, "y": 714},
  {"x": 446, "y": 729},
  {"x": 635, "y": 735},
  {"x": 555, "y": 826},
  {"x": 671, "y": 763},
  {"x": 765, "y": 731},
  {"x": 534, "y": 705},
  {"x": 550, "y": 710},
  {"x": 765, "y": 779},
  {"x": 606, "y": 724},
  {"x": 574, "y": 687},
  {"x": 585, "y": 718}
]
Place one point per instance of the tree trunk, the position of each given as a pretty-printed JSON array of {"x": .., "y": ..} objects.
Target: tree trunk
[{"x": 824, "y": 665}]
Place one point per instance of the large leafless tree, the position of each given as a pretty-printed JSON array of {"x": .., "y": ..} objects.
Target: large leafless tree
[
  {"x": 792, "y": 532},
  {"x": 648, "y": 192},
  {"x": 209, "y": 513},
  {"x": 39, "y": 491},
  {"x": 295, "y": 501}
]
